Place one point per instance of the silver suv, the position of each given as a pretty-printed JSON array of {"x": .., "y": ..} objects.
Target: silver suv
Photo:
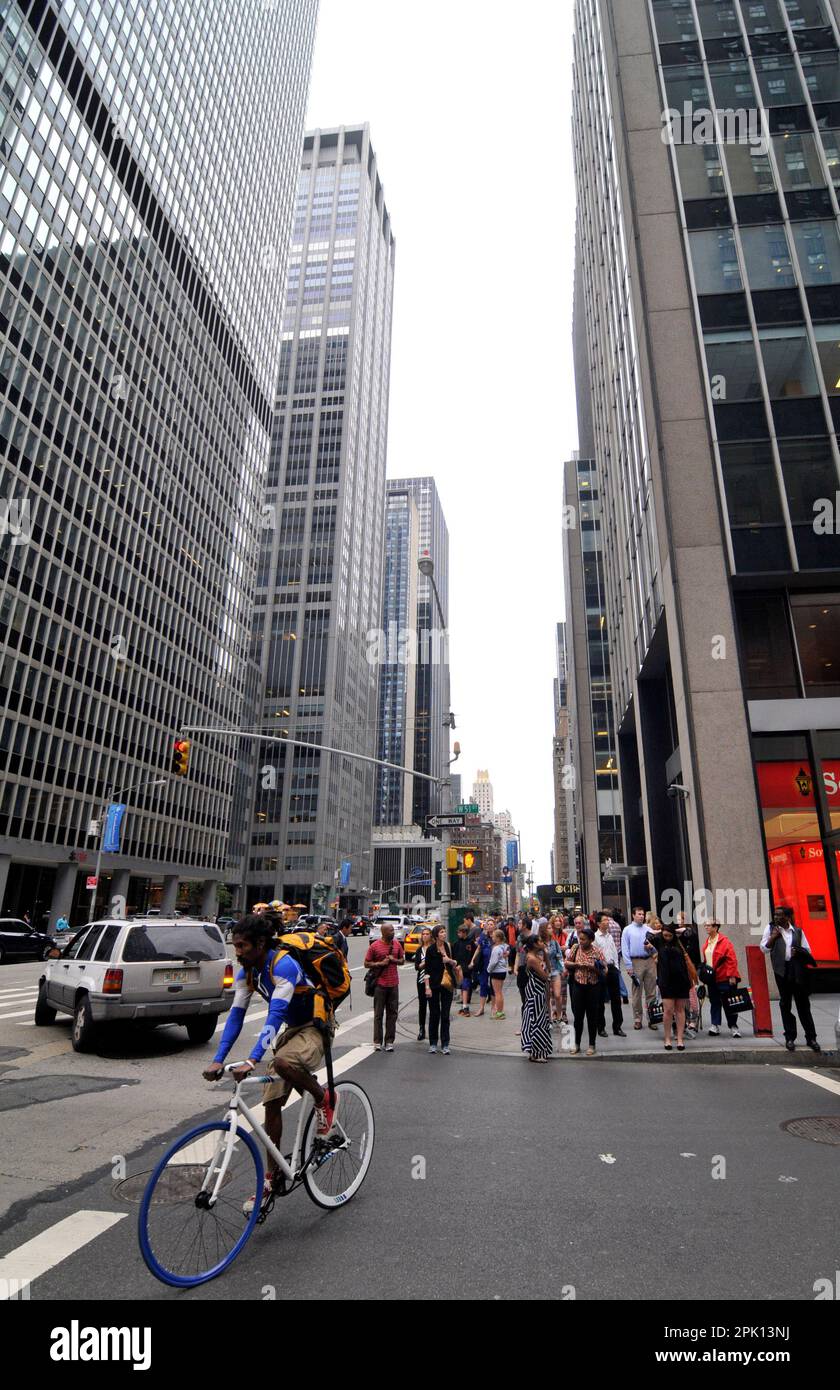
[{"x": 154, "y": 969}]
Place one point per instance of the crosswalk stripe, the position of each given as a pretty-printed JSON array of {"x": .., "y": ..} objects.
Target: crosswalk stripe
[
  {"x": 35, "y": 1257},
  {"x": 21, "y": 1013},
  {"x": 9, "y": 996},
  {"x": 815, "y": 1079}
]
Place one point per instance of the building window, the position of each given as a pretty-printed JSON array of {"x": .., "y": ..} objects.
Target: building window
[
  {"x": 767, "y": 652},
  {"x": 816, "y": 622},
  {"x": 767, "y": 258},
  {"x": 715, "y": 261}
]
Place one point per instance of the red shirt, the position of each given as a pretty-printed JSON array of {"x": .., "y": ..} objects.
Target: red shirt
[{"x": 381, "y": 950}]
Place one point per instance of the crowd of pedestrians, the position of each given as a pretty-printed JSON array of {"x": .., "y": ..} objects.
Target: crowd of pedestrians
[{"x": 570, "y": 969}]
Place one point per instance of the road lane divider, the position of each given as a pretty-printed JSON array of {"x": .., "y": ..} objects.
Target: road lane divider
[
  {"x": 57, "y": 1243},
  {"x": 805, "y": 1074}
]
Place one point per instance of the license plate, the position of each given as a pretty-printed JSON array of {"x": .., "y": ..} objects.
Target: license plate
[{"x": 175, "y": 977}]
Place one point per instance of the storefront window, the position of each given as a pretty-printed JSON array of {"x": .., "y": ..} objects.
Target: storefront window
[{"x": 796, "y": 850}]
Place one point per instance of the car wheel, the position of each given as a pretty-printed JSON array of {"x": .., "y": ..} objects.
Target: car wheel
[
  {"x": 84, "y": 1028},
  {"x": 45, "y": 950},
  {"x": 44, "y": 1014},
  {"x": 201, "y": 1029}
]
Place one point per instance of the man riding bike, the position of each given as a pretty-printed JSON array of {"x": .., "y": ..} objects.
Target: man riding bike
[{"x": 298, "y": 1051}]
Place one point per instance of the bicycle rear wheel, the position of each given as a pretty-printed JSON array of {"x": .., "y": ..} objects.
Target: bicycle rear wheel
[
  {"x": 339, "y": 1169},
  {"x": 184, "y": 1241}
]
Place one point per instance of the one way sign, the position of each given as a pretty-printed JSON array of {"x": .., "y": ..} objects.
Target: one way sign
[{"x": 453, "y": 822}]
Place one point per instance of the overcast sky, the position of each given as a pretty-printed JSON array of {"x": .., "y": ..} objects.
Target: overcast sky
[{"x": 469, "y": 107}]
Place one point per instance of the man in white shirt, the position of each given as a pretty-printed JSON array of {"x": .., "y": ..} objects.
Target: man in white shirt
[{"x": 790, "y": 955}]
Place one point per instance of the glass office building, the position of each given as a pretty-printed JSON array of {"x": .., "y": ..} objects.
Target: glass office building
[
  {"x": 706, "y": 136},
  {"x": 398, "y": 664},
  {"x": 148, "y": 158},
  {"x": 319, "y": 580}
]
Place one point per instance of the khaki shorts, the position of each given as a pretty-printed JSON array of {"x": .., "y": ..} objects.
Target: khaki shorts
[{"x": 304, "y": 1047}]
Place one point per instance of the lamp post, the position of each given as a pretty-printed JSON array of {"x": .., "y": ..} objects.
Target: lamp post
[{"x": 114, "y": 795}]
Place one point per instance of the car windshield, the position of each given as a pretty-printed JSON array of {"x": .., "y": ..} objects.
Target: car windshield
[{"x": 173, "y": 943}]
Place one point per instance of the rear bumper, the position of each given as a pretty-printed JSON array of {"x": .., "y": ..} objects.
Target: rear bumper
[{"x": 113, "y": 1010}]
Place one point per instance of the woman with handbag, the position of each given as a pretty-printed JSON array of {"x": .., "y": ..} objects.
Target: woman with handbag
[
  {"x": 536, "y": 1023},
  {"x": 420, "y": 967},
  {"x": 586, "y": 966},
  {"x": 719, "y": 972},
  {"x": 687, "y": 935},
  {"x": 675, "y": 976},
  {"x": 442, "y": 973}
]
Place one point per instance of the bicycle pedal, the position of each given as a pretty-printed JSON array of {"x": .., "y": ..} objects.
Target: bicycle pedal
[{"x": 266, "y": 1209}]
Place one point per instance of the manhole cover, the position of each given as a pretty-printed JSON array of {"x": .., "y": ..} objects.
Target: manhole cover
[
  {"x": 821, "y": 1129},
  {"x": 179, "y": 1183}
]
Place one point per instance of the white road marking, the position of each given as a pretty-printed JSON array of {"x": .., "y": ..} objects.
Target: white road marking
[
  {"x": 21, "y": 1013},
  {"x": 344, "y": 1027},
  {"x": 43, "y": 1252},
  {"x": 815, "y": 1079},
  {"x": 24, "y": 989}
]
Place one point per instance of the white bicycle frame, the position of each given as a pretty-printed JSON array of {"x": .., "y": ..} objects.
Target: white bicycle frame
[{"x": 236, "y": 1109}]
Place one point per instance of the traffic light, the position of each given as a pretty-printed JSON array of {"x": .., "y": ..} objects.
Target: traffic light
[
  {"x": 468, "y": 861},
  {"x": 180, "y": 757},
  {"x": 452, "y": 859}
]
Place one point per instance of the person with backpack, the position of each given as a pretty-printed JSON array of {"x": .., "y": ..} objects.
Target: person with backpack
[
  {"x": 384, "y": 956},
  {"x": 272, "y": 972}
]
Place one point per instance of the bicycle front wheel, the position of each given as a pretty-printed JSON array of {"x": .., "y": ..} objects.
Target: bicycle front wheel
[
  {"x": 340, "y": 1164},
  {"x": 184, "y": 1239}
]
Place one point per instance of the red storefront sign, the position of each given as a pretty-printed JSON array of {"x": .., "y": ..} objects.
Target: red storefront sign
[
  {"x": 791, "y": 786},
  {"x": 798, "y": 877}
]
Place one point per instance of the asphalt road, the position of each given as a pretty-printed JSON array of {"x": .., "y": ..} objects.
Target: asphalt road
[{"x": 598, "y": 1181}]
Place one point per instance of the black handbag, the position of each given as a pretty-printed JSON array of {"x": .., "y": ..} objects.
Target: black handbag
[
  {"x": 656, "y": 1011},
  {"x": 739, "y": 1001},
  {"x": 370, "y": 982},
  {"x": 707, "y": 974}
]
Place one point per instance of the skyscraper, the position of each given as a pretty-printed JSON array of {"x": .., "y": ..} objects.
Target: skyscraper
[
  {"x": 319, "y": 584},
  {"x": 713, "y": 356},
  {"x": 483, "y": 794},
  {"x": 398, "y": 670},
  {"x": 564, "y": 857},
  {"x": 148, "y": 163},
  {"x": 431, "y": 701}
]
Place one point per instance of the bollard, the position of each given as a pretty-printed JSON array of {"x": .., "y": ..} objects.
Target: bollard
[{"x": 757, "y": 971}]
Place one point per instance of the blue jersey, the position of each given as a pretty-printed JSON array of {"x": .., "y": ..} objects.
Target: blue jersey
[{"x": 289, "y": 993}]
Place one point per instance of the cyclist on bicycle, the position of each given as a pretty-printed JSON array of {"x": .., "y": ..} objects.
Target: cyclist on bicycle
[{"x": 298, "y": 1051}]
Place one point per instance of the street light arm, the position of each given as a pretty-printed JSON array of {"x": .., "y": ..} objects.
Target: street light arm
[{"x": 317, "y": 747}]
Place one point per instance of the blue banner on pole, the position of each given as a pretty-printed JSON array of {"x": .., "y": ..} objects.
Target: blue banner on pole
[
  {"x": 345, "y": 872},
  {"x": 113, "y": 822}
]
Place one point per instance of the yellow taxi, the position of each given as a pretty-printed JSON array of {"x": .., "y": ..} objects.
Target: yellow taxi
[{"x": 411, "y": 944}]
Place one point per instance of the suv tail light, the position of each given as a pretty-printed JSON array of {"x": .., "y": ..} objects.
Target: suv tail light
[
  {"x": 227, "y": 982},
  {"x": 113, "y": 982}
]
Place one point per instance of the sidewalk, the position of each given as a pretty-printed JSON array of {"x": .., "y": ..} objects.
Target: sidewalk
[{"x": 486, "y": 1035}]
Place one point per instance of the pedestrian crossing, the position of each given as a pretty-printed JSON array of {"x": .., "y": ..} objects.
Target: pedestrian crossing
[{"x": 18, "y": 1001}]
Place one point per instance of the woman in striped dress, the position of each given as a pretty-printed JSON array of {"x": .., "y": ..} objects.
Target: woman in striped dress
[{"x": 536, "y": 1022}]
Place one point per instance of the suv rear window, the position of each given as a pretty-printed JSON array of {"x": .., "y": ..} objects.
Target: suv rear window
[{"x": 173, "y": 943}]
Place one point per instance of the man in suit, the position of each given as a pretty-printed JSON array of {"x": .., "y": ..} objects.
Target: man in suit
[{"x": 790, "y": 956}]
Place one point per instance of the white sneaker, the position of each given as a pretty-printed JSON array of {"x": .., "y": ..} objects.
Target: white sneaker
[
  {"x": 446, "y": 1052},
  {"x": 433, "y": 1049},
  {"x": 389, "y": 1047},
  {"x": 736, "y": 1033},
  {"x": 714, "y": 1031}
]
